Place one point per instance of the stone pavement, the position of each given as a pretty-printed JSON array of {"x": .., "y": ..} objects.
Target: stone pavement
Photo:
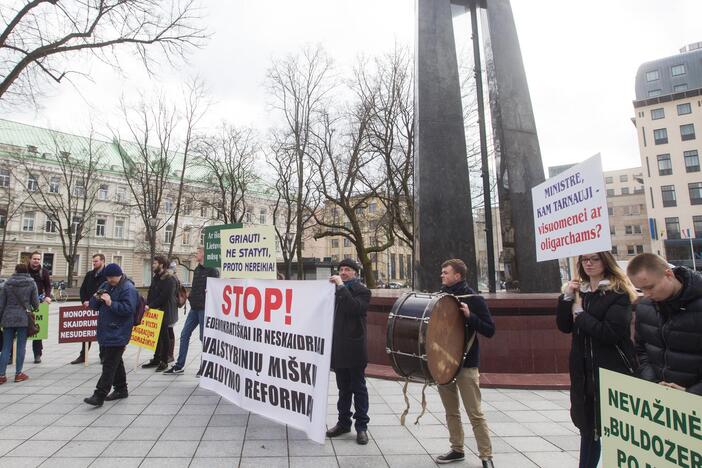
[{"x": 169, "y": 421}]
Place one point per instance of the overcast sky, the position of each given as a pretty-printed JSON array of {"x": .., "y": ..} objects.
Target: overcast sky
[{"x": 580, "y": 59}]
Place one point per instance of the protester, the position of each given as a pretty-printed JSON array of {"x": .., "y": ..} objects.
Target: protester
[
  {"x": 668, "y": 323},
  {"x": 42, "y": 278},
  {"x": 196, "y": 316},
  {"x": 467, "y": 383},
  {"x": 162, "y": 296},
  {"x": 349, "y": 354},
  {"x": 91, "y": 282},
  {"x": 600, "y": 323},
  {"x": 116, "y": 300},
  {"x": 17, "y": 296}
]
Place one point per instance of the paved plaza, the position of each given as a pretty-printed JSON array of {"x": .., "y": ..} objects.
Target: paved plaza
[{"x": 169, "y": 421}]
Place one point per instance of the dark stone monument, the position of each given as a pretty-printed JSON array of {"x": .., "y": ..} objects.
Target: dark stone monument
[{"x": 439, "y": 127}]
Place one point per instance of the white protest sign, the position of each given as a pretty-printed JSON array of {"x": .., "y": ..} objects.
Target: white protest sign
[
  {"x": 267, "y": 348},
  {"x": 248, "y": 252},
  {"x": 570, "y": 213}
]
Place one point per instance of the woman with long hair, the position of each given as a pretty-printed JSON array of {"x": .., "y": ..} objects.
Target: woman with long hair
[{"x": 596, "y": 309}]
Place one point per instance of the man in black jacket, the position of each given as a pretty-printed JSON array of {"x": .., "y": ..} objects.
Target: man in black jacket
[
  {"x": 42, "y": 278},
  {"x": 196, "y": 316},
  {"x": 668, "y": 324},
  {"x": 477, "y": 320},
  {"x": 349, "y": 354},
  {"x": 91, "y": 283},
  {"x": 162, "y": 296}
]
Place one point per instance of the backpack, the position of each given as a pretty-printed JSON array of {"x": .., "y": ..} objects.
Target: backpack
[
  {"x": 139, "y": 311},
  {"x": 181, "y": 293}
]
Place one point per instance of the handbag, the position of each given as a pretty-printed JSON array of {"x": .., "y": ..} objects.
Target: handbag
[{"x": 32, "y": 327}]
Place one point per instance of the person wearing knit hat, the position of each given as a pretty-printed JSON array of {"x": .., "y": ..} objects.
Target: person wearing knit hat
[
  {"x": 112, "y": 270},
  {"x": 349, "y": 354}
]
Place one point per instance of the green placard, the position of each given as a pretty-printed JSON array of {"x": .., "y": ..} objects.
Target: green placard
[
  {"x": 213, "y": 244},
  {"x": 41, "y": 316}
]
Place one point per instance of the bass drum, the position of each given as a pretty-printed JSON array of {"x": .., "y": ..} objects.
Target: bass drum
[{"x": 426, "y": 337}]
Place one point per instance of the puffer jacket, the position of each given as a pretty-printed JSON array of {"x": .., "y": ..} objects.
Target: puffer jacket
[
  {"x": 162, "y": 296},
  {"x": 12, "y": 312},
  {"x": 114, "y": 326},
  {"x": 669, "y": 335}
]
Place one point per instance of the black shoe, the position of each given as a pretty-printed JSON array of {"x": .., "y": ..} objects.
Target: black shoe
[
  {"x": 117, "y": 395},
  {"x": 488, "y": 464},
  {"x": 78, "y": 360},
  {"x": 37, "y": 359},
  {"x": 451, "y": 456},
  {"x": 150, "y": 364},
  {"x": 362, "y": 437},
  {"x": 174, "y": 370},
  {"x": 337, "y": 431},
  {"x": 162, "y": 366},
  {"x": 94, "y": 400}
]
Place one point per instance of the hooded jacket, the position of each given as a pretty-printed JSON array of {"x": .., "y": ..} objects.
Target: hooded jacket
[
  {"x": 669, "y": 335},
  {"x": 114, "y": 326},
  {"x": 12, "y": 312}
]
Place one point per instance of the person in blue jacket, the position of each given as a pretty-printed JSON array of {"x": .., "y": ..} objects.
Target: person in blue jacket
[{"x": 116, "y": 300}]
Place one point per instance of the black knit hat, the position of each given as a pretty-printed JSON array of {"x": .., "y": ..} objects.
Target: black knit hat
[{"x": 347, "y": 262}]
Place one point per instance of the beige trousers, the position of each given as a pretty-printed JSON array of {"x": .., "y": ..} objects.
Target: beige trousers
[{"x": 468, "y": 384}]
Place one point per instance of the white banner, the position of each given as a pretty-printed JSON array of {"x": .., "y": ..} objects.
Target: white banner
[
  {"x": 267, "y": 348},
  {"x": 570, "y": 213}
]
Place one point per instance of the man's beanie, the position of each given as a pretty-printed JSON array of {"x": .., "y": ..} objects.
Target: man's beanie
[
  {"x": 112, "y": 269},
  {"x": 347, "y": 262}
]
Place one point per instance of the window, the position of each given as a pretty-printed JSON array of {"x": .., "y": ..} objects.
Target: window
[
  {"x": 28, "y": 221},
  {"x": 668, "y": 193},
  {"x": 262, "y": 215},
  {"x": 117, "y": 259},
  {"x": 169, "y": 234},
  {"x": 186, "y": 236},
  {"x": 347, "y": 243},
  {"x": 636, "y": 210},
  {"x": 680, "y": 88},
  {"x": 630, "y": 250},
  {"x": 654, "y": 92},
  {"x": 614, "y": 250},
  {"x": 626, "y": 211},
  {"x": 32, "y": 183},
  {"x": 4, "y": 178},
  {"x": 121, "y": 195},
  {"x": 612, "y": 230},
  {"x": 687, "y": 132},
  {"x": 610, "y": 192},
  {"x": 54, "y": 184},
  {"x": 79, "y": 189},
  {"x": 610, "y": 211},
  {"x": 660, "y": 136},
  {"x": 372, "y": 207},
  {"x": 637, "y": 229},
  {"x": 653, "y": 75},
  {"x": 623, "y": 178},
  {"x": 684, "y": 109},
  {"x": 628, "y": 229},
  {"x": 3, "y": 218},
  {"x": 335, "y": 243},
  {"x": 695, "y": 189},
  {"x": 168, "y": 206},
  {"x": 639, "y": 249},
  {"x": 203, "y": 211},
  {"x": 100, "y": 227},
  {"x": 677, "y": 70},
  {"x": 50, "y": 226},
  {"x": 609, "y": 180},
  {"x": 76, "y": 224},
  {"x": 697, "y": 225},
  {"x": 625, "y": 190},
  {"x": 119, "y": 228},
  {"x": 692, "y": 161},
  {"x": 392, "y": 274},
  {"x": 657, "y": 114},
  {"x": 665, "y": 166},
  {"x": 103, "y": 192},
  {"x": 672, "y": 228},
  {"x": 187, "y": 207}
]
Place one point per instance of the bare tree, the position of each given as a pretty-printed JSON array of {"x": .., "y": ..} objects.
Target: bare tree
[
  {"x": 228, "y": 158},
  {"x": 66, "y": 195},
  {"x": 300, "y": 86},
  {"x": 11, "y": 203},
  {"x": 41, "y": 39}
]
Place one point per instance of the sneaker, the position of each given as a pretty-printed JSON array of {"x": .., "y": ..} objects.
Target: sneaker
[
  {"x": 3, "y": 379},
  {"x": 162, "y": 366},
  {"x": 174, "y": 370},
  {"x": 449, "y": 457},
  {"x": 21, "y": 377},
  {"x": 150, "y": 364}
]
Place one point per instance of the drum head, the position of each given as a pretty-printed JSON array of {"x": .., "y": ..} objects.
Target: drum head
[{"x": 445, "y": 340}]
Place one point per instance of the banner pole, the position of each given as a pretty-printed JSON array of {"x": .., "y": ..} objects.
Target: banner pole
[
  {"x": 85, "y": 354},
  {"x": 14, "y": 351},
  {"x": 136, "y": 362}
]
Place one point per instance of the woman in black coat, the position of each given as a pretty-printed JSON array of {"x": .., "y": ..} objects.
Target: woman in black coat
[{"x": 596, "y": 310}]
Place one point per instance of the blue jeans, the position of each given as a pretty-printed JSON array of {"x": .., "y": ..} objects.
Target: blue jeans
[
  {"x": 589, "y": 451},
  {"x": 195, "y": 317},
  {"x": 8, "y": 334}
]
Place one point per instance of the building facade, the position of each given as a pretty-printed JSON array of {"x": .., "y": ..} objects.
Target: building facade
[{"x": 668, "y": 115}]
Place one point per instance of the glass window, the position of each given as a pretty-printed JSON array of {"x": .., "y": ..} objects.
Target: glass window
[
  {"x": 628, "y": 229},
  {"x": 79, "y": 189},
  {"x": 347, "y": 243},
  {"x": 695, "y": 189},
  {"x": 335, "y": 243},
  {"x": 684, "y": 109},
  {"x": 121, "y": 195},
  {"x": 660, "y": 136},
  {"x": 614, "y": 250},
  {"x": 637, "y": 229},
  {"x": 50, "y": 226},
  {"x": 653, "y": 75},
  {"x": 610, "y": 211},
  {"x": 635, "y": 210},
  {"x": 697, "y": 226},
  {"x": 3, "y": 218},
  {"x": 4, "y": 177},
  {"x": 672, "y": 228},
  {"x": 665, "y": 166},
  {"x": 625, "y": 190},
  {"x": 32, "y": 183},
  {"x": 679, "y": 88},
  {"x": 103, "y": 192},
  {"x": 654, "y": 92},
  {"x": 687, "y": 132},
  {"x": 612, "y": 230},
  {"x": 100, "y": 227},
  {"x": 610, "y": 192},
  {"x": 639, "y": 249},
  {"x": 169, "y": 234},
  {"x": 119, "y": 228},
  {"x": 657, "y": 114},
  {"x": 623, "y": 178},
  {"x": 185, "y": 238},
  {"x": 168, "y": 206},
  {"x": 401, "y": 263},
  {"x": 630, "y": 250},
  {"x": 372, "y": 207},
  {"x": 262, "y": 215},
  {"x": 626, "y": 211},
  {"x": 54, "y": 184},
  {"x": 203, "y": 211},
  {"x": 609, "y": 180},
  {"x": 677, "y": 70},
  {"x": 692, "y": 161},
  {"x": 668, "y": 194},
  {"x": 28, "y": 221},
  {"x": 76, "y": 224}
]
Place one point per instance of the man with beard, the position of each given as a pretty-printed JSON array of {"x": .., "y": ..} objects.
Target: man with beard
[
  {"x": 42, "y": 278},
  {"x": 91, "y": 283}
]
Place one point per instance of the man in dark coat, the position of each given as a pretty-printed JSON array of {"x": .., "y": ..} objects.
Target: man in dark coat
[
  {"x": 114, "y": 328},
  {"x": 668, "y": 323},
  {"x": 349, "y": 354},
  {"x": 467, "y": 383},
  {"x": 42, "y": 278},
  {"x": 162, "y": 296},
  {"x": 91, "y": 283}
]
